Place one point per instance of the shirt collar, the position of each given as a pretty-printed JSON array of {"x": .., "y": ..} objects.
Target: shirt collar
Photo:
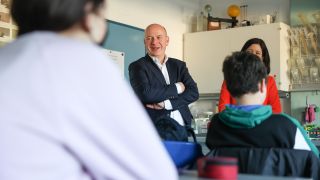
[
  {"x": 247, "y": 108},
  {"x": 157, "y": 61}
]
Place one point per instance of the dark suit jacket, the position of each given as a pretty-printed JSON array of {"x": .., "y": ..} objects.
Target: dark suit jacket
[{"x": 150, "y": 86}]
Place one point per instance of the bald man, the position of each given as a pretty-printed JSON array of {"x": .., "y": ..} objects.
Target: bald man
[{"x": 163, "y": 84}]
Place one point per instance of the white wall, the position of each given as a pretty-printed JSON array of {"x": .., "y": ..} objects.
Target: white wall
[
  {"x": 178, "y": 16},
  {"x": 175, "y": 15}
]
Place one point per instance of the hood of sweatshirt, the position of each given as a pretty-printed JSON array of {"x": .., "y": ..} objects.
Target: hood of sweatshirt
[{"x": 237, "y": 118}]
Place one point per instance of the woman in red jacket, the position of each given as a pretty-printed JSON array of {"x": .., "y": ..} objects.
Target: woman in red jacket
[{"x": 258, "y": 47}]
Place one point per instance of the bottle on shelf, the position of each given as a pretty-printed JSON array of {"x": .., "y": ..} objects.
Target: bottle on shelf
[{"x": 200, "y": 22}]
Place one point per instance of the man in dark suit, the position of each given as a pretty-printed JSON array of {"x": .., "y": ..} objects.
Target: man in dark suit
[{"x": 163, "y": 84}]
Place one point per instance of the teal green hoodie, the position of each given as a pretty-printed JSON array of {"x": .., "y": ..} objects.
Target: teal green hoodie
[
  {"x": 236, "y": 118},
  {"x": 245, "y": 119}
]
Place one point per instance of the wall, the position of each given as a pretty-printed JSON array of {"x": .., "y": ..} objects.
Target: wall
[
  {"x": 305, "y": 8},
  {"x": 299, "y": 101},
  {"x": 125, "y": 39},
  {"x": 178, "y": 16},
  {"x": 175, "y": 15}
]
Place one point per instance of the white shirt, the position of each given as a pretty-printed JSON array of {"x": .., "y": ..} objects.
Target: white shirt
[
  {"x": 63, "y": 110},
  {"x": 176, "y": 115}
]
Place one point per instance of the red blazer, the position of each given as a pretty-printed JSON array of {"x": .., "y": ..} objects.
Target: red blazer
[{"x": 272, "y": 97}]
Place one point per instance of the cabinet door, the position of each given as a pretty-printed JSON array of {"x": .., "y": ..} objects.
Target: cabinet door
[{"x": 204, "y": 53}]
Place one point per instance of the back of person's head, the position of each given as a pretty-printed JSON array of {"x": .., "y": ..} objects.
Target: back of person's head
[
  {"x": 265, "y": 52},
  {"x": 50, "y": 15},
  {"x": 243, "y": 72}
]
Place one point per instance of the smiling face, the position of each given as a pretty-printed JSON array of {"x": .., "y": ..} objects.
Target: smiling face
[
  {"x": 255, "y": 49},
  {"x": 156, "y": 41}
]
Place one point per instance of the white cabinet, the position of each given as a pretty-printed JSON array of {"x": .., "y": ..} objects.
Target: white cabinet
[{"x": 204, "y": 53}]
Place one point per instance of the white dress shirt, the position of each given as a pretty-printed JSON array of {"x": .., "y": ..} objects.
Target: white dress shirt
[
  {"x": 176, "y": 115},
  {"x": 63, "y": 116}
]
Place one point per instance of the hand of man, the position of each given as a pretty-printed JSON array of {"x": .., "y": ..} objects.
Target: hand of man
[
  {"x": 156, "y": 106},
  {"x": 182, "y": 86}
]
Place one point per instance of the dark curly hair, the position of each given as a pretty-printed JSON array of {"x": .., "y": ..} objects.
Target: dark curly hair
[
  {"x": 265, "y": 52},
  {"x": 51, "y": 15},
  {"x": 242, "y": 72}
]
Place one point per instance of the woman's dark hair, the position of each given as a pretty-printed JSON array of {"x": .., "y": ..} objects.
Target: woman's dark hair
[
  {"x": 265, "y": 52},
  {"x": 249, "y": 69},
  {"x": 50, "y": 15}
]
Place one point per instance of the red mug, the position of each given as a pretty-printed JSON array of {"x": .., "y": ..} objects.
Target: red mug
[{"x": 223, "y": 168}]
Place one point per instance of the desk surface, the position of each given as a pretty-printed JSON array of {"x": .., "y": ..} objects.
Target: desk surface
[
  {"x": 192, "y": 175},
  {"x": 202, "y": 139}
]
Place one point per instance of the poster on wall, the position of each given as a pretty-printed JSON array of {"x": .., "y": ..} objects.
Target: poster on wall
[
  {"x": 8, "y": 29},
  {"x": 117, "y": 57},
  {"x": 304, "y": 12}
]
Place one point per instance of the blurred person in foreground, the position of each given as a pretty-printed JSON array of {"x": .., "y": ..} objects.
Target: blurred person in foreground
[{"x": 62, "y": 113}]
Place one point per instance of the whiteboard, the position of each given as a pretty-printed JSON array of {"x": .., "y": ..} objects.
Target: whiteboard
[
  {"x": 117, "y": 57},
  {"x": 127, "y": 39}
]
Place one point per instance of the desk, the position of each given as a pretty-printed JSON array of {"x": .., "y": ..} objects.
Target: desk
[
  {"x": 202, "y": 141},
  {"x": 193, "y": 175}
]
